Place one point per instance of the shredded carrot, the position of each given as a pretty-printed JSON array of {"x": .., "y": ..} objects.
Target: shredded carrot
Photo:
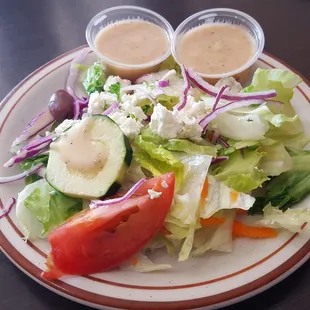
[
  {"x": 211, "y": 221},
  {"x": 134, "y": 261},
  {"x": 205, "y": 189},
  {"x": 165, "y": 231},
  {"x": 242, "y": 230},
  {"x": 241, "y": 211},
  {"x": 234, "y": 196}
]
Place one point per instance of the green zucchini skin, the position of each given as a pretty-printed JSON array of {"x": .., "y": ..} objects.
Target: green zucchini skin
[{"x": 106, "y": 181}]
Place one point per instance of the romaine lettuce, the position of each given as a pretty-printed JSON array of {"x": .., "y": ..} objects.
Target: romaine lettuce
[
  {"x": 51, "y": 207},
  {"x": 95, "y": 78},
  {"x": 241, "y": 173}
]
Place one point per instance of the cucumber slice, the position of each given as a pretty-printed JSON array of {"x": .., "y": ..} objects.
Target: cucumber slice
[{"x": 90, "y": 159}]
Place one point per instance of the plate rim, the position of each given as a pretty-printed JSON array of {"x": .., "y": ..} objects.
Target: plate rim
[{"x": 232, "y": 296}]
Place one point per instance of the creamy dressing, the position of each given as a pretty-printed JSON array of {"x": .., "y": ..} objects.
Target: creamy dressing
[
  {"x": 79, "y": 151},
  {"x": 215, "y": 48},
  {"x": 132, "y": 42}
]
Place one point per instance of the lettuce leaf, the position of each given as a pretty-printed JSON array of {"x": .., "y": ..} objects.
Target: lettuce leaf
[
  {"x": 167, "y": 101},
  {"x": 30, "y": 162},
  {"x": 284, "y": 82},
  {"x": 95, "y": 78},
  {"x": 219, "y": 198},
  {"x": 158, "y": 152},
  {"x": 288, "y": 188},
  {"x": 51, "y": 207},
  {"x": 26, "y": 220},
  {"x": 156, "y": 167},
  {"x": 187, "y": 198},
  {"x": 241, "y": 127},
  {"x": 181, "y": 145},
  {"x": 178, "y": 145},
  {"x": 241, "y": 173},
  {"x": 170, "y": 64},
  {"x": 276, "y": 161},
  {"x": 148, "y": 135},
  {"x": 291, "y": 219}
]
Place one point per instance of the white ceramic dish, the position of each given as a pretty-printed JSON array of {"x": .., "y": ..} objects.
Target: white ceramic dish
[{"x": 209, "y": 282}]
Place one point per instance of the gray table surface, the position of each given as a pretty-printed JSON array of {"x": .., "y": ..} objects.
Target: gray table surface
[{"x": 33, "y": 32}]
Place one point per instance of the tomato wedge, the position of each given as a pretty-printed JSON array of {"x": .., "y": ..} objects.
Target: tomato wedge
[{"x": 101, "y": 239}]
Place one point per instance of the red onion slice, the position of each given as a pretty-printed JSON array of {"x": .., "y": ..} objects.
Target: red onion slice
[
  {"x": 39, "y": 123},
  {"x": 35, "y": 147},
  {"x": 26, "y": 154},
  {"x": 163, "y": 83},
  {"x": 219, "y": 96},
  {"x": 73, "y": 71},
  {"x": 213, "y": 91},
  {"x": 142, "y": 78},
  {"x": 76, "y": 110},
  {"x": 183, "y": 97},
  {"x": 216, "y": 135},
  {"x": 138, "y": 87},
  {"x": 223, "y": 142},
  {"x": 39, "y": 141},
  {"x": 20, "y": 176},
  {"x": 219, "y": 159},
  {"x": 225, "y": 108},
  {"x": 8, "y": 206},
  {"x": 111, "y": 108},
  {"x": 99, "y": 203}
]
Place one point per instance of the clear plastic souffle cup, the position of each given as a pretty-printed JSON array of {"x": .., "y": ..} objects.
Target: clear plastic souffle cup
[
  {"x": 223, "y": 15},
  {"x": 125, "y": 13}
]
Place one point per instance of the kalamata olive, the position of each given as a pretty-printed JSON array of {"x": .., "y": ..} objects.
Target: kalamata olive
[{"x": 61, "y": 105}]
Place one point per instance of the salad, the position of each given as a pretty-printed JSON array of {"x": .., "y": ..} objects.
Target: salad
[{"x": 168, "y": 161}]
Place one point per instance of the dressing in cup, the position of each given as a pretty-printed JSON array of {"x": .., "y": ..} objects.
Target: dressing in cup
[
  {"x": 219, "y": 43},
  {"x": 131, "y": 41}
]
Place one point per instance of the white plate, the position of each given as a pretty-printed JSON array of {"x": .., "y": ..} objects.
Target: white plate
[{"x": 212, "y": 281}]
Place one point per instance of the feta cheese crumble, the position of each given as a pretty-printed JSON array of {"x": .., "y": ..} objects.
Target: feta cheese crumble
[
  {"x": 98, "y": 102},
  {"x": 129, "y": 125},
  {"x": 165, "y": 123},
  {"x": 174, "y": 124},
  {"x": 113, "y": 80},
  {"x": 154, "y": 194}
]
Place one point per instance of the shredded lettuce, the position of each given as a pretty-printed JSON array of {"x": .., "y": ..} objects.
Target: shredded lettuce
[
  {"x": 142, "y": 263},
  {"x": 95, "y": 78},
  {"x": 241, "y": 173},
  {"x": 291, "y": 219},
  {"x": 187, "y": 199},
  {"x": 216, "y": 238},
  {"x": 276, "y": 161},
  {"x": 219, "y": 198}
]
